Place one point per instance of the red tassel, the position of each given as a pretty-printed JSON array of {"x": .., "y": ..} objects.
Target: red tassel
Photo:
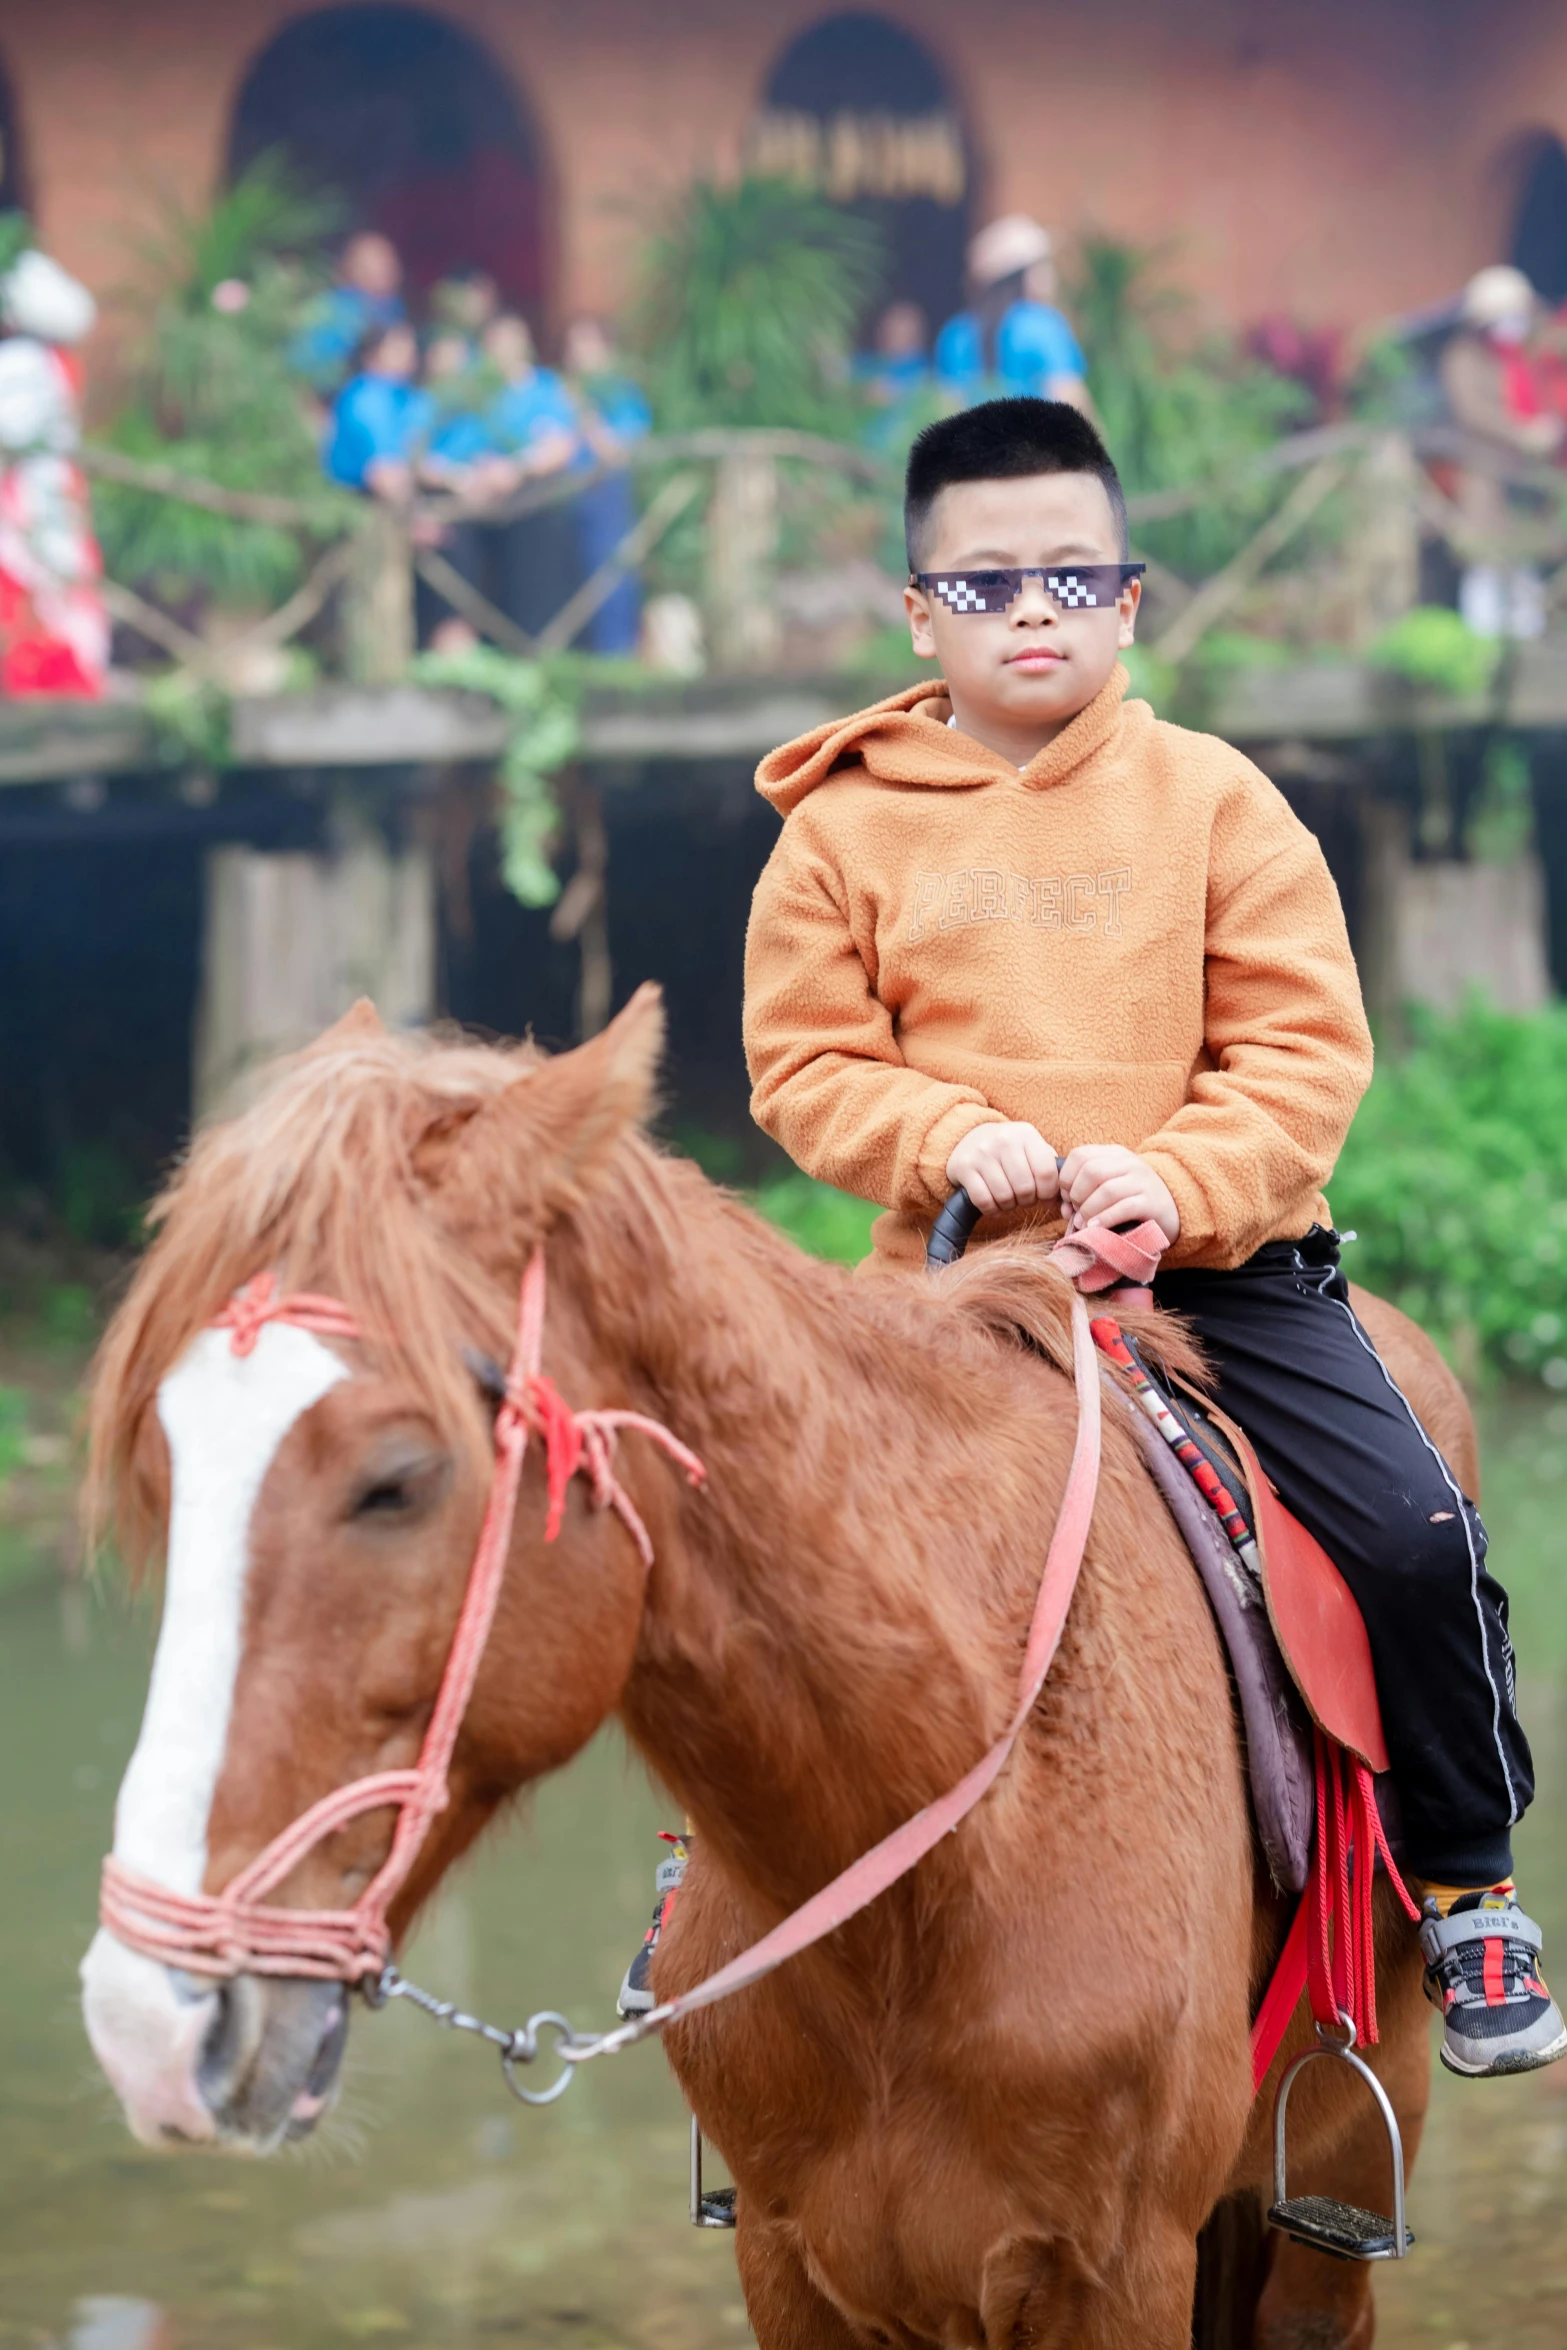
[
  {"x": 1342, "y": 1958},
  {"x": 562, "y": 1446}
]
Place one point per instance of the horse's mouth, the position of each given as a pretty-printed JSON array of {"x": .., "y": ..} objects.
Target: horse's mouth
[{"x": 270, "y": 2060}]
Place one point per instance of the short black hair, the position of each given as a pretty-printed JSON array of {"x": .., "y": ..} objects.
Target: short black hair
[{"x": 1004, "y": 440}]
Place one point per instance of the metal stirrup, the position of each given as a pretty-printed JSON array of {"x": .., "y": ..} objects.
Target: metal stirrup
[
  {"x": 1321, "y": 2222},
  {"x": 716, "y": 2208}
]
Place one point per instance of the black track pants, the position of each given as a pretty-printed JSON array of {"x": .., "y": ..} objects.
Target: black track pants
[{"x": 1348, "y": 1456}]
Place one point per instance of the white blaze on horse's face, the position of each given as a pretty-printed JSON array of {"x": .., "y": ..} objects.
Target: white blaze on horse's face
[{"x": 224, "y": 1416}]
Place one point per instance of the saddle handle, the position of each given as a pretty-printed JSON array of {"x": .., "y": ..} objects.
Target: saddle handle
[
  {"x": 951, "y": 1232},
  {"x": 953, "y": 1229}
]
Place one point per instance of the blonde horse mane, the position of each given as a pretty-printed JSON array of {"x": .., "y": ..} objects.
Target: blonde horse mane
[{"x": 327, "y": 1180}]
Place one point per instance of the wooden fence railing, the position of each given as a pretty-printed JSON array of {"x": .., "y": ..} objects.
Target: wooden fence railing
[
  {"x": 367, "y": 555},
  {"x": 373, "y": 551}
]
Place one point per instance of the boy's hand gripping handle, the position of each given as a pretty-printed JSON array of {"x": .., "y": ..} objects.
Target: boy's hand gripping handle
[{"x": 1100, "y": 1257}]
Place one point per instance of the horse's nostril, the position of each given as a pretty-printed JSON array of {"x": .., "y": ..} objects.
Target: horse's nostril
[{"x": 229, "y": 2045}]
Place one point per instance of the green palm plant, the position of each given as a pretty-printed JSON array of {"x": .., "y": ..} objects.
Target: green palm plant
[
  {"x": 748, "y": 304},
  {"x": 211, "y": 394},
  {"x": 1178, "y": 405}
]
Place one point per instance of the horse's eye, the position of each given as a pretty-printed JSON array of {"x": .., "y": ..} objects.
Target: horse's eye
[
  {"x": 397, "y": 1479},
  {"x": 385, "y": 1500}
]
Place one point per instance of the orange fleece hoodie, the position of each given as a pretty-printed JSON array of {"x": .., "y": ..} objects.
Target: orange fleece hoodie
[{"x": 1131, "y": 940}]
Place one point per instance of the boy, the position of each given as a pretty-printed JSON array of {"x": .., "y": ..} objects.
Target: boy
[{"x": 1011, "y": 916}]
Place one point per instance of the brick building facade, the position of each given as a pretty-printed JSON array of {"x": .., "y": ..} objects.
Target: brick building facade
[{"x": 1339, "y": 163}]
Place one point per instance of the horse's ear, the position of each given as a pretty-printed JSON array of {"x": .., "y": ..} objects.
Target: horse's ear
[
  {"x": 361, "y": 1020},
  {"x": 537, "y": 1147}
]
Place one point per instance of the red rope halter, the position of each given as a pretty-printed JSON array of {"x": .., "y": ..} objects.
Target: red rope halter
[{"x": 236, "y": 1931}]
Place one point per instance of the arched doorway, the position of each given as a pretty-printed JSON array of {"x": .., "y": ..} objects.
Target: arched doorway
[
  {"x": 419, "y": 130},
  {"x": 860, "y": 109},
  {"x": 1540, "y": 224}
]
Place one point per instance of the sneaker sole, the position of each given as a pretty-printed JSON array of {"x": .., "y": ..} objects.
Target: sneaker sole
[{"x": 1528, "y": 2061}]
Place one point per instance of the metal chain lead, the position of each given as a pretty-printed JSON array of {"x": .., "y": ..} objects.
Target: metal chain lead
[{"x": 514, "y": 2048}]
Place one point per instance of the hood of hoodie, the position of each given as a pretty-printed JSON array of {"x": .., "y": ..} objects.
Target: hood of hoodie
[{"x": 906, "y": 739}]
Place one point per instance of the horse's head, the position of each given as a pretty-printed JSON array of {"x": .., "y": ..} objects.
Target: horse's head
[{"x": 320, "y": 1499}]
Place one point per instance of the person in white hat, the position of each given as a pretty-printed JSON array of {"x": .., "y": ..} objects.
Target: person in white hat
[
  {"x": 1013, "y": 339},
  {"x": 1488, "y": 377},
  {"x": 54, "y": 631}
]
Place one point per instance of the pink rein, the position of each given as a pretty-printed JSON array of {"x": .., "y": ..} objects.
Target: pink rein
[
  {"x": 1093, "y": 1258},
  {"x": 236, "y": 1931}
]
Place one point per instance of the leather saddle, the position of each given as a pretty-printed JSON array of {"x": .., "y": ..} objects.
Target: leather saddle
[{"x": 1297, "y": 1644}]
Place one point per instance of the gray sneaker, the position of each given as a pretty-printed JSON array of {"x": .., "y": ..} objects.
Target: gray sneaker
[
  {"x": 636, "y": 1989},
  {"x": 1483, "y": 1972}
]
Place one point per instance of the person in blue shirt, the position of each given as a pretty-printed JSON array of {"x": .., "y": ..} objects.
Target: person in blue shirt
[
  {"x": 381, "y": 419},
  {"x": 533, "y": 422},
  {"x": 532, "y": 417},
  {"x": 898, "y": 368},
  {"x": 897, "y": 382},
  {"x": 613, "y": 413},
  {"x": 1012, "y": 342},
  {"x": 366, "y": 296},
  {"x": 461, "y": 447},
  {"x": 458, "y": 453}
]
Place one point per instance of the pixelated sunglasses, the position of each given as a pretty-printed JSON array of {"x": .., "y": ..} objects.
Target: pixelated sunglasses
[{"x": 1071, "y": 587}]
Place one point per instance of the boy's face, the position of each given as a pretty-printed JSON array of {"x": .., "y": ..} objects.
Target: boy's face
[{"x": 1029, "y": 666}]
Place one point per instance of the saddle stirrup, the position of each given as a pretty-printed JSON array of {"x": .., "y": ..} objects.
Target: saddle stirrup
[
  {"x": 1321, "y": 2222},
  {"x": 715, "y": 2209}
]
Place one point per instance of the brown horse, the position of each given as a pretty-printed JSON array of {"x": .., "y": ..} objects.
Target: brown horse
[{"x": 999, "y": 2107}]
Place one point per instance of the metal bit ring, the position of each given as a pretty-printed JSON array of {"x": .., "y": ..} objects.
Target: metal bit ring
[{"x": 524, "y": 2049}]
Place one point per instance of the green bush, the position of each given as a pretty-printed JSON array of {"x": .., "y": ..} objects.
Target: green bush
[
  {"x": 1432, "y": 646},
  {"x": 13, "y": 1430},
  {"x": 1454, "y": 1177},
  {"x": 829, "y": 1223},
  {"x": 70, "y": 1317}
]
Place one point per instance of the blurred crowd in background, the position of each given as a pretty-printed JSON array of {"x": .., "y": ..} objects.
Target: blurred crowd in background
[
  {"x": 464, "y": 406},
  {"x": 310, "y": 353}
]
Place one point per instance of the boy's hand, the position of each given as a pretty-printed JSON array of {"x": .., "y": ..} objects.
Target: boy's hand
[
  {"x": 1102, "y": 1183},
  {"x": 1008, "y": 1166}
]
